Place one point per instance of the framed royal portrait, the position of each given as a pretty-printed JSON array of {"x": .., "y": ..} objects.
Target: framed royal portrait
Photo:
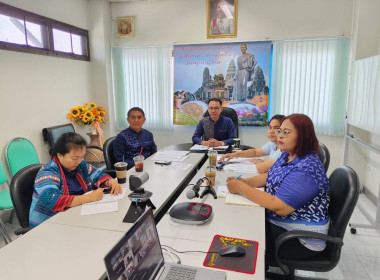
[
  {"x": 125, "y": 27},
  {"x": 221, "y": 18}
]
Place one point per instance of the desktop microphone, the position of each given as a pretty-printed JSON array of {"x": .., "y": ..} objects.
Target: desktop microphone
[{"x": 194, "y": 192}]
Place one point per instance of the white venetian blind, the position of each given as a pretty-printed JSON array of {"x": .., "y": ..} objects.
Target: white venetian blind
[
  {"x": 143, "y": 78},
  {"x": 310, "y": 77}
]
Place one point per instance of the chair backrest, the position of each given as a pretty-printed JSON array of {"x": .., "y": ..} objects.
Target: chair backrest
[
  {"x": 3, "y": 177},
  {"x": 21, "y": 190},
  {"x": 230, "y": 113},
  {"x": 344, "y": 194},
  {"x": 109, "y": 156},
  {"x": 324, "y": 155},
  {"x": 19, "y": 153},
  {"x": 51, "y": 134}
]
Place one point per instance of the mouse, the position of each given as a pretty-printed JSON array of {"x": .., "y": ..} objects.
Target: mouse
[{"x": 232, "y": 251}]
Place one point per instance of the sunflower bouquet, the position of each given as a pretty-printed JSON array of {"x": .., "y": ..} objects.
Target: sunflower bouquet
[{"x": 89, "y": 114}]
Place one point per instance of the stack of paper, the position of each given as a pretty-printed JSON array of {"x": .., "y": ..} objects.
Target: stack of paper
[
  {"x": 239, "y": 199},
  {"x": 241, "y": 167},
  {"x": 197, "y": 147},
  {"x": 170, "y": 156}
]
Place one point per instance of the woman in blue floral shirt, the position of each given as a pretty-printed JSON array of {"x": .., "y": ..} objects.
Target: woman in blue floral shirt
[{"x": 296, "y": 190}]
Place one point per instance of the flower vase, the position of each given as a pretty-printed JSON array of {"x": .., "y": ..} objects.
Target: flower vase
[
  {"x": 93, "y": 130},
  {"x": 94, "y": 155}
]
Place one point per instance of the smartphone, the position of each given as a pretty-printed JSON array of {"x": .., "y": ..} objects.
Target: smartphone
[
  {"x": 106, "y": 190},
  {"x": 163, "y": 162}
]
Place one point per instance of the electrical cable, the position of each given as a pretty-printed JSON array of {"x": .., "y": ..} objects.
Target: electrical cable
[{"x": 184, "y": 252}]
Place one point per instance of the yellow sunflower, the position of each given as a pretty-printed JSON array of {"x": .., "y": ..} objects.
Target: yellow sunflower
[
  {"x": 92, "y": 105},
  {"x": 86, "y": 119},
  {"x": 74, "y": 112},
  {"x": 89, "y": 114}
]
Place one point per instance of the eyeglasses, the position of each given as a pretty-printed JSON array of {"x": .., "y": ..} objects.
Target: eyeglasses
[
  {"x": 214, "y": 108},
  {"x": 283, "y": 133}
]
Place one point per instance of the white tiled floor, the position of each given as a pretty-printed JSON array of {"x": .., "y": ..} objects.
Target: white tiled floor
[{"x": 360, "y": 259}]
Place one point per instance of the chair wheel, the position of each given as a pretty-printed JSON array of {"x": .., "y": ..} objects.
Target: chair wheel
[{"x": 353, "y": 230}]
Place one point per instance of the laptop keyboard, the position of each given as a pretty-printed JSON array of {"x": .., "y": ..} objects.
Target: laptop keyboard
[{"x": 180, "y": 273}]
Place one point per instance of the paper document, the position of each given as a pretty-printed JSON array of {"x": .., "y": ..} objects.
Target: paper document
[
  {"x": 107, "y": 204},
  {"x": 239, "y": 199},
  {"x": 177, "y": 166},
  {"x": 222, "y": 191},
  {"x": 197, "y": 147},
  {"x": 240, "y": 159},
  {"x": 169, "y": 157},
  {"x": 241, "y": 167}
]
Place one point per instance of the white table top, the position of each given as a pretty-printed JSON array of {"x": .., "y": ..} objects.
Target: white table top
[
  {"x": 52, "y": 251},
  {"x": 163, "y": 183},
  {"x": 246, "y": 222}
]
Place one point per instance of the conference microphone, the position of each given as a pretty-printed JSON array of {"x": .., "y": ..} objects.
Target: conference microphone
[{"x": 194, "y": 192}]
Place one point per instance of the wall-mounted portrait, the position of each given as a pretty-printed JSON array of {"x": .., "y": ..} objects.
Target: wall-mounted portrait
[
  {"x": 125, "y": 27},
  {"x": 221, "y": 18}
]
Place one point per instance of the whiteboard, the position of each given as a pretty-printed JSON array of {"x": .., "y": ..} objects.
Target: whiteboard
[{"x": 364, "y": 100}]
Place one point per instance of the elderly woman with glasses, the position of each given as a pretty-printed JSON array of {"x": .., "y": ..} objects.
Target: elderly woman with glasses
[{"x": 296, "y": 192}]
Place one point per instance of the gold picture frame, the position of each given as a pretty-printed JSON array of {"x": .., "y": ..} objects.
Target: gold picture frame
[
  {"x": 221, "y": 18},
  {"x": 125, "y": 27}
]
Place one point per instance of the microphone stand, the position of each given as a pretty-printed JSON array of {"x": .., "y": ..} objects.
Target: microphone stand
[{"x": 209, "y": 190}]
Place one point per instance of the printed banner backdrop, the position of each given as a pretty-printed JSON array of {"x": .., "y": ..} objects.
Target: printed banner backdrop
[{"x": 237, "y": 73}]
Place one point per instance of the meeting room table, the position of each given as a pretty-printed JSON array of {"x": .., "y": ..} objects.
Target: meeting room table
[{"x": 72, "y": 246}]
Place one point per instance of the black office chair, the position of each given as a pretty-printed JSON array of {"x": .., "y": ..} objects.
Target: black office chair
[
  {"x": 109, "y": 156},
  {"x": 21, "y": 190},
  {"x": 51, "y": 134},
  {"x": 344, "y": 193},
  {"x": 324, "y": 155},
  {"x": 230, "y": 113},
  {"x": 94, "y": 154}
]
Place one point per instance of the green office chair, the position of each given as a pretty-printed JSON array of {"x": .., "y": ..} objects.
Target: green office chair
[
  {"x": 5, "y": 204},
  {"x": 19, "y": 153}
]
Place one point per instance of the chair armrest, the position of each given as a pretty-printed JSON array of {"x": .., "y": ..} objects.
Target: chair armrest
[
  {"x": 286, "y": 236},
  {"x": 22, "y": 231}
]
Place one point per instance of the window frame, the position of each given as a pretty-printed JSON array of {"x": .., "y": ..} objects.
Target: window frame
[{"x": 49, "y": 23}]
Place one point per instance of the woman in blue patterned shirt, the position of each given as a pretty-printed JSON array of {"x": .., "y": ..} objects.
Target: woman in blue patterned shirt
[
  {"x": 63, "y": 181},
  {"x": 296, "y": 190}
]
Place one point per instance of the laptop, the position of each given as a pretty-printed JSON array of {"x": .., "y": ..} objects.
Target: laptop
[{"x": 138, "y": 256}]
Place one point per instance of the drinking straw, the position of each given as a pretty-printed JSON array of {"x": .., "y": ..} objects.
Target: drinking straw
[
  {"x": 141, "y": 151},
  {"x": 123, "y": 158}
]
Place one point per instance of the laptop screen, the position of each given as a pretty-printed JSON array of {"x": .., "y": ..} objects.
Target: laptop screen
[{"x": 138, "y": 255}]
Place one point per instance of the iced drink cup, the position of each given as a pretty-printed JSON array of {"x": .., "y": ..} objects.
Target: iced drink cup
[
  {"x": 121, "y": 172},
  {"x": 210, "y": 173},
  {"x": 139, "y": 163}
]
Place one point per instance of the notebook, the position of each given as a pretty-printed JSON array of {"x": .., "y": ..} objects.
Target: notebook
[{"x": 138, "y": 256}]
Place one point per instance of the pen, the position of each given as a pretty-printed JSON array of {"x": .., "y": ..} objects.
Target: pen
[{"x": 237, "y": 177}]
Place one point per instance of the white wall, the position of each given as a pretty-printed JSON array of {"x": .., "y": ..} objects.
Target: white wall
[
  {"x": 366, "y": 43},
  {"x": 38, "y": 91},
  {"x": 184, "y": 21},
  {"x": 168, "y": 22}
]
